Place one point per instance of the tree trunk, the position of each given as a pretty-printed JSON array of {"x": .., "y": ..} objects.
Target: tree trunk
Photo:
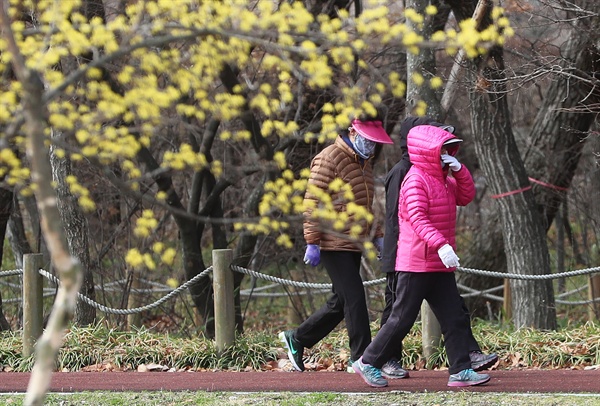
[
  {"x": 17, "y": 237},
  {"x": 559, "y": 107},
  {"x": 39, "y": 245},
  {"x": 76, "y": 228},
  {"x": 6, "y": 202},
  {"x": 245, "y": 248},
  {"x": 594, "y": 221},
  {"x": 423, "y": 64},
  {"x": 498, "y": 155},
  {"x": 523, "y": 234},
  {"x": 193, "y": 262},
  {"x": 563, "y": 121},
  {"x": 69, "y": 269},
  {"x": 560, "y": 246},
  {"x": 264, "y": 150}
]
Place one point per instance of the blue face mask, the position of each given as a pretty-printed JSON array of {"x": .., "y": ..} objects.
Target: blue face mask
[{"x": 364, "y": 148}]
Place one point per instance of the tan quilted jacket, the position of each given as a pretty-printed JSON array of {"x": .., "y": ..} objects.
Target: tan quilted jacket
[{"x": 339, "y": 161}]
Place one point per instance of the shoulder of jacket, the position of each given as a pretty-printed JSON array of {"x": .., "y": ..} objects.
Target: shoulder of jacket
[
  {"x": 416, "y": 173},
  {"x": 341, "y": 152},
  {"x": 416, "y": 176},
  {"x": 326, "y": 154}
]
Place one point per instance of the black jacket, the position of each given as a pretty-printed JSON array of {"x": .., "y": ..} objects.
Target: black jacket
[{"x": 393, "y": 180}]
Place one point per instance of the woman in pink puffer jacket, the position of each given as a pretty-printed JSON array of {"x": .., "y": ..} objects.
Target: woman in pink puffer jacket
[
  {"x": 428, "y": 201},
  {"x": 426, "y": 260}
]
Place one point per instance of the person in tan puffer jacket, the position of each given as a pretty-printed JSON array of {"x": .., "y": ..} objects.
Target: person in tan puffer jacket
[
  {"x": 340, "y": 250},
  {"x": 340, "y": 161}
]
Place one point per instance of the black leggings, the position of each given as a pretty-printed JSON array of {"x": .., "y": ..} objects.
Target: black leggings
[
  {"x": 347, "y": 302},
  {"x": 391, "y": 279},
  {"x": 440, "y": 291}
]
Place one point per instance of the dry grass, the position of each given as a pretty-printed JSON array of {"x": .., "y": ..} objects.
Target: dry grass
[{"x": 99, "y": 348}]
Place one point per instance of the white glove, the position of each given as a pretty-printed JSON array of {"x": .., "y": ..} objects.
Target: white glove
[
  {"x": 452, "y": 162},
  {"x": 448, "y": 256}
]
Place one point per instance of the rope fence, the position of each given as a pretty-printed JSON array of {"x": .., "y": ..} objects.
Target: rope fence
[
  {"x": 309, "y": 287},
  {"x": 222, "y": 280},
  {"x": 160, "y": 301}
]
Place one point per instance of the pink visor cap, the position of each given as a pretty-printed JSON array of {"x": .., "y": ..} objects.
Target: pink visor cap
[{"x": 372, "y": 130}]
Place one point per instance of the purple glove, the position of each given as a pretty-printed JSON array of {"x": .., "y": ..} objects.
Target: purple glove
[
  {"x": 379, "y": 246},
  {"x": 312, "y": 255}
]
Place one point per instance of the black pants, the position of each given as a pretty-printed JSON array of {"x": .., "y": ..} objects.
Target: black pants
[
  {"x": 347, "y": 302},
  {"x": 440, "y": 291},
  {"x": 391, "y": 281},
  {"x": 390, "y": 296}
]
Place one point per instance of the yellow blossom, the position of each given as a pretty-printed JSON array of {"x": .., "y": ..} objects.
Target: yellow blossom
[
  {"x": 431, "y": 10},
  {"x": 417, "y": 78},
  {"x": 436, "y": 82},
  {"x": 134, "y": 258},
  {"x": 279, "y": 158},
  {"x": 148, "y": 261}
]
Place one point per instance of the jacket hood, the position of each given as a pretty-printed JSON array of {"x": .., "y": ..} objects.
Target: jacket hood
[
  {"x": 424, "y": 144},
  {"x": 408, "y": 124}
]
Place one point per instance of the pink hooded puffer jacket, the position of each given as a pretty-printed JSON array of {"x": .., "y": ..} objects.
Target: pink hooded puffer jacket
[{"x": 428, "y": 200}]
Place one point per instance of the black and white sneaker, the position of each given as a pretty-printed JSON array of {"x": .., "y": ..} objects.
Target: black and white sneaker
[
  {"x": 481, "y": 361},
  {"x": 393, "y": 370},
  {"x": 295, "y": 349}
]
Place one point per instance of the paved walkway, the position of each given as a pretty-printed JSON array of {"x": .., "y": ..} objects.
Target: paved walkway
[{"x": 512, "y": 381}]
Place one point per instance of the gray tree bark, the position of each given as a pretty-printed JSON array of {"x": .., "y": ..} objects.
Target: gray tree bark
[
  {"x": 594, "y": 222},
  {"x": 563, "y": 120},
  {"x": 424, "y": 63},
  {"x": 68, "y": 267},
  {"x": 568, "y": 110},
  {"x": 498, "y": 154},
  {"x": 6, "y": 200},
  {"x": 16, "y": 234},
  {"x": 77, "y": 232},
  {"x": 39, "y": 245},
  {"x": 193, "y": 262},
  {"x": 523, "y": 234},
  {"x": 262, "y": 148}
]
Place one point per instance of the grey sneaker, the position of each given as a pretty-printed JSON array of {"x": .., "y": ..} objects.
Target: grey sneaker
[
  {"x": 295, "y": 349},
  {"x": 467, "y": 377},
  {"x": 370, "y": 374},
  {"x": 349, "y": 368},
  {"x": 480, "y": 361},
  {"x": 393, "y": 370}
]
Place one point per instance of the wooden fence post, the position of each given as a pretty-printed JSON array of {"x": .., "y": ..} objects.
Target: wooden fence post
[
  {"x": 507, "y": 305},
  {"x": 134, "y": 300},
  {"x": 33, "y": 295},
  {"x": 594, "y": 294},
  {"x": 294, "y": 318},
  {"x": 431, "y": 332},
  {"x": 224, "y": 304}
]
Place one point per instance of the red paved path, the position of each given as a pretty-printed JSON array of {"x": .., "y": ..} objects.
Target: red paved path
[{"x": 515, "y": 381}]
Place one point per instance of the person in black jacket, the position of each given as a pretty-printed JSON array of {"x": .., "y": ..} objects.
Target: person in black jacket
[{"x": 393, "y": 368}]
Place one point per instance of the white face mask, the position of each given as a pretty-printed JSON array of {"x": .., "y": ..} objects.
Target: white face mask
[{"x": 364, "y": 148}]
